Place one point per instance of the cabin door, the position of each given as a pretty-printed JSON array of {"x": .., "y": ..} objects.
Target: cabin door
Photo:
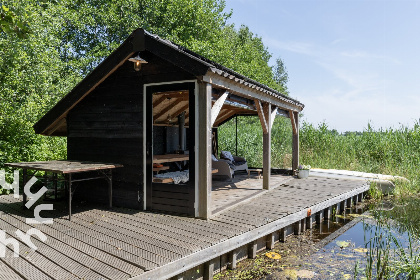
[{"x": 170, "y": 141}]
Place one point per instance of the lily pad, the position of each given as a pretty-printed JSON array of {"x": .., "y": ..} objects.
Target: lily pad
[
  {"x": 342, "y": 243},
  {"x": 305, "y": 274},
  {"x": 273, "y": 255},
  {"x": 361, "y": 250},
  {"x": 291, "y": 273},
  {"x": 354, "y": 215},
  {"x": 345, "y": 256}
]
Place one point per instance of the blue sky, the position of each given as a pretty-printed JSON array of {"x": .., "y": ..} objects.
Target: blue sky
[{"x": 349, "y": 61}]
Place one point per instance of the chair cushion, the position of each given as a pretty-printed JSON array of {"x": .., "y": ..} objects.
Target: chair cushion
[
  {"x": 227, "y": 155},
  {"x": 237, "y": 163}
]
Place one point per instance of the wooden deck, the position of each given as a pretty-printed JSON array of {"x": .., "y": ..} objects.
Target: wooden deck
[
  {"x": 122, "y": 243},
  {"x": 226, "y": 194}
]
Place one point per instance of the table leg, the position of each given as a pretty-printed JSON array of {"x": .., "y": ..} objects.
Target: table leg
[
  {"x": 55, "y": 185},
  {"x": 70, "y": 196},
  {"x": 24, "y": 179},
  {"x": 110, "y": 188}
]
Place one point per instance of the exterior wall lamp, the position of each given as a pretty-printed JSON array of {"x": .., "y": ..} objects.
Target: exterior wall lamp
[{"x": 138, "y": 61}]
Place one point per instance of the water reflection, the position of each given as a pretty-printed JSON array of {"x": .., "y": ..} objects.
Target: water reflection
[{"x": 351, "y": 242}]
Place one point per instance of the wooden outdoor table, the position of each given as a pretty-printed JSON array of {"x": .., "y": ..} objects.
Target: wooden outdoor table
[{"x": 68, "y": 168}]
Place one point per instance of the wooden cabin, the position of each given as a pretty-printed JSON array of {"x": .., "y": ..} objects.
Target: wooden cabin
[{"x": 159, "y": 117}]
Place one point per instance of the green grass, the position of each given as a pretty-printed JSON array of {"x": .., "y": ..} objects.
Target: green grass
[{"x": 384, "y": 151}]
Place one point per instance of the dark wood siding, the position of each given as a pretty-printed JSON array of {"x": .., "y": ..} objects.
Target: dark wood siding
[{"x": 107, "y": 126}]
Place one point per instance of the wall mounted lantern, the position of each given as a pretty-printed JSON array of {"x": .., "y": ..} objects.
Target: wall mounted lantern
[{"x": 138, "y": 61}]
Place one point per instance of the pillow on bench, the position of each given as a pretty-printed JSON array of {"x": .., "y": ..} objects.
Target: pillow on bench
[{"x": 227, "y": 155}]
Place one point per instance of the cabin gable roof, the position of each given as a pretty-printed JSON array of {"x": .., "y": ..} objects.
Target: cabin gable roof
[{"x": 142, "y": 41}]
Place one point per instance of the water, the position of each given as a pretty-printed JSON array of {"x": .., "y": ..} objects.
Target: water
[{"x": 349, "y": 248}]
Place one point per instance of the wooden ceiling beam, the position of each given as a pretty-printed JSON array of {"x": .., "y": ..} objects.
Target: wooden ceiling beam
[
  {"x": 224, "y": 117},
  {"x": 164, "y": 110},
  {"x": 182, "y": 109},
  {"x": 224, "y": 112},
  {"x": 159, "y": 101}
]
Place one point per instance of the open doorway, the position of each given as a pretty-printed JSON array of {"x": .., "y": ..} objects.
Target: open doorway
[{"x": 170, "y": 158}]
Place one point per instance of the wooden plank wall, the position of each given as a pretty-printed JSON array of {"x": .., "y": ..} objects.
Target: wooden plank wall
[
  {"x": 177, "y": 199},
  {"x": 107, "y": 126}
]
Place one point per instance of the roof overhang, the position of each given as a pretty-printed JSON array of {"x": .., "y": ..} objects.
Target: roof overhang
[{"x": 251, "y": 91}]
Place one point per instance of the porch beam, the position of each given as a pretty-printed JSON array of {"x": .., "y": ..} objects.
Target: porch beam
[
  {"x": 294, "y": 117},
  {"x": 267, "y": 147},
  {"x": 217, "y": 106},
  {"x": 243, "y": 90},
  {"x": 262, "y": 116},
  {"x": 273, "y": 116},
  {"x": 203, "y": 153}
]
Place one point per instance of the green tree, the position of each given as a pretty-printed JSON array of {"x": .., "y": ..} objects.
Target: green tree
[
  {"x": 47, "y": 47},
  {"x": 281, "y": 77},
  {"x": 11, "y": 23}
]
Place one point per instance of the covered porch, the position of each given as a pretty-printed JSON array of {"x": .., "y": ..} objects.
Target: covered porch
[{"x": 186, "y": 115}]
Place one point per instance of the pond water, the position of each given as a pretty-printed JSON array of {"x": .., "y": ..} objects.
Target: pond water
[{"x": 349, "y": 246}]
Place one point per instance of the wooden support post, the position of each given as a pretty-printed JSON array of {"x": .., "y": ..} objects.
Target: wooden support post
[
  {"x": 319, "y": 217},
  {"x": 110, "y": 188},
  {"x": 297, "y": 227},
  {"x": 337, "y": 211},
  {"x": 309, "y": 222},
  {"x": 252, "y": 249},
  {"x": 203, "y": 142},
  {"x": 267, "y": 148},
  {"x": 208, "y": 270},
  {"x": 343, "y": 206},
  {"x": 327, "y": 213},
  {"x": 270, "y": 241},
  {"x": 294, "y": 117},
  {"x": 55, "y": 185},
  {"x": 70, "y": 194},
  {"x": 264, "y": 113},
  {"x": 303, "y": 225},
  {"x": 24, "y": 181},
  {"x": 349, "y": 202},
  {"x": 232, "y": 259},
  {"x": 282, "y": 237}
]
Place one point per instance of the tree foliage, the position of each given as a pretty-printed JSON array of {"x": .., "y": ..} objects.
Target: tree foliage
[{"x": 47, "y": 47}]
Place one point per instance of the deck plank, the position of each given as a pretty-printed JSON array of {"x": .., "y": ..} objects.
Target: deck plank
[
  {"x": 122, "y": 243},
  {"x": 6, "y": 273}
]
